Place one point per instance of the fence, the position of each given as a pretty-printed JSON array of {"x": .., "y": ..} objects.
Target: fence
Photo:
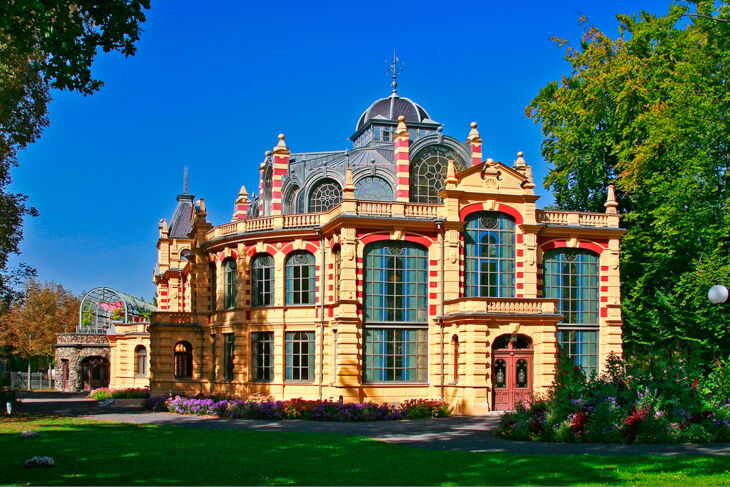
[{"x": 38, "y": 380}]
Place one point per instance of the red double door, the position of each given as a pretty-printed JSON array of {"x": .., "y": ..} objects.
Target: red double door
[{"x": 511, "y": 378}]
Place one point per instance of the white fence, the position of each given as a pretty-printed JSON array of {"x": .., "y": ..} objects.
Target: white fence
[{"x": 38, "y": 380}]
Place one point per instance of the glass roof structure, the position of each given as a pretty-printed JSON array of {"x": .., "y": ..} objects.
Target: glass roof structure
[{"x": 103, "y": 307}]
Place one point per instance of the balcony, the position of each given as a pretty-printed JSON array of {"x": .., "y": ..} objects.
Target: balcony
[{"x": 501, "y": 306}]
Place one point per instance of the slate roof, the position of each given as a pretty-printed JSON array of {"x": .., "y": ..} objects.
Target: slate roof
[{"x": 181, "y": 222}]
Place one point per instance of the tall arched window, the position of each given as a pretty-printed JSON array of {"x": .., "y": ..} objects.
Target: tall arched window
[
  {"x": 373, "y": 188},
  {"x": 230, "y": 278},
  {"x": 183, "y": 360},
  {"x": 300, "y": 278},
  {"x": 290, "y": 206},
  {"x": 571, "y": 276},
  {"x": 428, "y": 171},
  {"x": 324, "y": 196},
  {"x": 262, "y": 280},
  {"x": 489, "y": 239},
  {"x": 213, "y": 285},
  {"x": 140, "y": 360},
  {"x": 395, "y": 312},
  {"x": 268, "y": 184}
]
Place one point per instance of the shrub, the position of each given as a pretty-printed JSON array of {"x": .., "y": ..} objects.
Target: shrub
[
  {"x": 661, "y": 398},
  {"x": 129, "y": 393}
]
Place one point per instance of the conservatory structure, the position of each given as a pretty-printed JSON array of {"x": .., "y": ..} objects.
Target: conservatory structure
[
  {"x": 406, "y": 266},
  {"x": 110, "y": 346}
]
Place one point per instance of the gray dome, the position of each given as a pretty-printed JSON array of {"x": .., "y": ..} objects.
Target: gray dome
[{"x": 391, "y": 108}]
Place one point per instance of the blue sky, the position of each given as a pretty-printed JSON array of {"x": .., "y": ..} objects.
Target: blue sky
[{"x": 213, "y": 84}]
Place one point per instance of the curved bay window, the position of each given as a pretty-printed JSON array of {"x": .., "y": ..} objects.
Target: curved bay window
[
  {"x": 230, "y": 289},
  {"x": 571, "y": 276},
  {"x": 183, "y": 360},
  {"x": 428, "y": 171},
  {"x": 373, "y": 188},
  {"x": 262, "y": 280},
  {"x": 300, "y": 278},
  {"x": 395, "y": 312},
  {"x": 140, "y": 360},
  {"x": 489, "y": 239},
  {"x": 325, "y": 195}
]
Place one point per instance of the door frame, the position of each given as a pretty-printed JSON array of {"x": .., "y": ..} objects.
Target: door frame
[{"x": 511, "y": 355}]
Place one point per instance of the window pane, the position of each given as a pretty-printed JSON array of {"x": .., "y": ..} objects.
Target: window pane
[
  {"x": 324, "y": 196},
  {"x": 300, "y": 356},
  {"x": 490, "y": 255},
  {"x": 395, "y": 355},
  {"x": 262, "y": 346},
  {"x": 300, "y": 278},
  {"x": 428, "y": 171},
  {"x": 262, "y": 280},
  {"x": 581, "y": 347}
]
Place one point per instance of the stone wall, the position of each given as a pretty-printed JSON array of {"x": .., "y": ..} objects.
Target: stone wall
[{"x": 75, "y": 347}]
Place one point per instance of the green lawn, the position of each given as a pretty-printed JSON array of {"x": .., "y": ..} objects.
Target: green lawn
[{"x": 98, "y": 453}]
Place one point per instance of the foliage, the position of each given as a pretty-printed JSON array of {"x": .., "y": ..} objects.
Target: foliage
[
  {"x": 661, "y": 398},
  {"x": 647, "y": 111},
  {"x": 43, "y": 45},
  {"x": 263, "y": 407},
  {"x": 128, "y": 393},
  {"x": 30, "y": 327},
  {"x": 101, "y": 452}
]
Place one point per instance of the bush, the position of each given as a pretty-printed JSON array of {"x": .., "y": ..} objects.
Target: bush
[
  {"x": 660, "y": 398},
  {"x": 263, "y": 407},
  {"x": 129, "y": 393}
]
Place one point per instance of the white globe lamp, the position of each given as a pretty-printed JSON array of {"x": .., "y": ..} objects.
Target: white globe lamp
[{"x": 717, "y": 294}]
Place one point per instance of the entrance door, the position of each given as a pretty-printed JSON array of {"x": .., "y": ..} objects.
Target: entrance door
[
  {"x": 95, "y": 372},
  {"x": 511, "y": 371}
]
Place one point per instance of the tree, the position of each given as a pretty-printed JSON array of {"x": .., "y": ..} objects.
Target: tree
[
  {"x": 650, "y": 113},
  {"x": 29, "y": 328},
  {"x": 47, "y": 44}
]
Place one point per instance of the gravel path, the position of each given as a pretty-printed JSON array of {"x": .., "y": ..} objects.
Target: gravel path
[{"x": 469, "y": 433}]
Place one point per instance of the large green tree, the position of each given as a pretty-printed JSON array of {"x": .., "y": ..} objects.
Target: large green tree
[
  {"x": 47, "y": 44},
  {"x": 649, "y": 112}
]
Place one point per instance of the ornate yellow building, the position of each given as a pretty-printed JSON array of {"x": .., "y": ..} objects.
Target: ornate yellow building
[{"x": 404, "y": 267}]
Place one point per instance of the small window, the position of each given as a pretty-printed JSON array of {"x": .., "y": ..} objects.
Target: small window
[
  {"x": 262, "y": 347},
  {"x": 300, "y": 356},
  {"x": 262, "y": 280},
  {"x": 228, "y": 354},
  {"x": 230, "y": 290},
  {"x": 140, "y": 360},
  {"x": 183, "y": 360},
  {"x": 300, "y": 278}
]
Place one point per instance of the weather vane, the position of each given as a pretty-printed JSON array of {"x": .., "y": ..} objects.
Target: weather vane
[
  {"x": 185, "y": 180},
  {"x": 394, "y": 70}
]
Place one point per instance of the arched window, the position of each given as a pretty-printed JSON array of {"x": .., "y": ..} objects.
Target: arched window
[
  {"x": 395, "y": 277},
  {"x": 300, "y": 278},
  {"x": 571, "y": 276},
  {"x": 489, "y": 239},
  {"x": 230, "y": 289},
  {"x": 262, "y": 280},
  {"x": 140, "y": 360},
  {"x": 183, "y": 360},
  {"x": 268, "y": 184},
  {"x": 324, "y": 196},
  {"x": 290, "y": 201},
  {"x": 213, "y": 285},
  {"x": 428, "y": 171},
  {"x": 373, "y": 188},
  {"x": 395, "y": 284}
]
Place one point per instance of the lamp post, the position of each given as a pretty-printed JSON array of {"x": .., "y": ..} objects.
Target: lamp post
[{"x": 717, "y": 294}]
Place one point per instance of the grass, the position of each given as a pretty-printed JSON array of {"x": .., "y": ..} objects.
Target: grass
[{"x": 99, "y": 453}]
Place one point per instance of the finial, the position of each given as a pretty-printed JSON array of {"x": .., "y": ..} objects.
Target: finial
[
  {"x": 611, "y": 203},
  {"x": 451, "y": 180},
  {"x": 281, "y": 146},
  {"x": 394, "y": 71},
  {"x": 185, "y": 180},
  {"x": 490, "y": 161},
  {"x": 401, "y": 130},
  {"x": 243, "y": 193},
  {"x": 520, "y": 162},
  {"x": 474, "y": 137}
]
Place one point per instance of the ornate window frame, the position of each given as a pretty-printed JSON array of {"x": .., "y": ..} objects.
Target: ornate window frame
[{"x": 489, "y": 255}]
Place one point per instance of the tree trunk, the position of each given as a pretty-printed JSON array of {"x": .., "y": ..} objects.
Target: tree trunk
[{"x": 30, "y": 387}]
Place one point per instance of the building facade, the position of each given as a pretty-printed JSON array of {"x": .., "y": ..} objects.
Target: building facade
[{"x": 404, "y": 267}]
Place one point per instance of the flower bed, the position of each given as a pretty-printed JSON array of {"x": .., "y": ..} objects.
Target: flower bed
[
  {"x": 257, "y": 407},
  {"x": 129, "y": 393},
  {"x": 661, "y": 399}
]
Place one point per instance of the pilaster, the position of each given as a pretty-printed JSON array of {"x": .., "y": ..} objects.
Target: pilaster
[{"x": 402, "y": 161}]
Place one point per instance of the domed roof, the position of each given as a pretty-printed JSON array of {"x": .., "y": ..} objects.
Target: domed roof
[{"x": 391, "y": 108}]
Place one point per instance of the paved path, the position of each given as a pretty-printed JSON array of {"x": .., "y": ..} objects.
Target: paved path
[{"x": 467, "y": 433}]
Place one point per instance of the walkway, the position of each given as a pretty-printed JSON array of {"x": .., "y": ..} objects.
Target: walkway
[{"x": 467, "y": 433}]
